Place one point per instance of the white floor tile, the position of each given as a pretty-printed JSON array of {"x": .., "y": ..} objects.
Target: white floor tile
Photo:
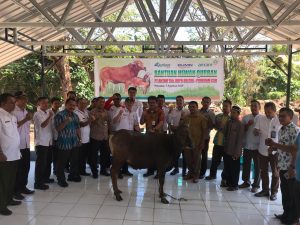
[
  {"x": 107, "y": 222},
  {"x": 77, "y": 221},
  {"x": 83, "y": 210},
  {"x": 56, "y": 209},
  {"x": 46, "y": 220},
  {"x": 142, "y": 214},
  {"x": 15, "y": 219},
  {"x": 221, "y": 218},
  {"x": 130, "y": 222},
  {"x": 111, "y": 212},
  {"x": 195, "y": 217},
  {"x": 92, "y": 202},
  {"x": 167, "y": 215}
]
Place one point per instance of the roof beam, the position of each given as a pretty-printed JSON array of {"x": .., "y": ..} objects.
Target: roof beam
[
  {"x": 267, "y": 14},
  {"x": 168, "y": 54},
  {"x": 66, "y": 12},
  {"x": 150, "y": 32},
  {"x": 213, "y": 29},
  {"x": 58, "y": 43},
  {"x": 249, "y": 8},
  {"x": 279, "y": 21},
  {"x": 229, "y": 18},
  {"x": 104, "y": 25}
]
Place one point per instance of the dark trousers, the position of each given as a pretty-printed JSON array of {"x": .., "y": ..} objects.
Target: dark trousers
[
  {"x": 248, "y": 156},
  {"x": 103, "y": 147},
  {"x": 297, "y": 197},
  {"x": 176, "y": 164},
  {"x": 49, "y": 161},
  {"x": 231, "y": 170},
  {"x": 23, "y": 170},
  {"x": 8, "y": 171},
  {"x": 204, "y": 158},
  {"x": 288, "y": 198},
  {"x": 124, "y": 168},
  {"x": 41, "y": 163},
  {"x": 63, "y": 157},
  {"x": 84, "y": 150},
  {"x": 264, "y": 162},
  {"x": 217, "y": 155},
  {"x": 54, "y": 150}
]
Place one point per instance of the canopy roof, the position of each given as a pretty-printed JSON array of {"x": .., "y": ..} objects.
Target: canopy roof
[{"x": 31, "y": 25}]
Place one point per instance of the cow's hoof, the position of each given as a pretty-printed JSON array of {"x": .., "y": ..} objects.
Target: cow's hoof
[
  {"x": 164, "y": 201},
  {"x": 119, "y": 198}
]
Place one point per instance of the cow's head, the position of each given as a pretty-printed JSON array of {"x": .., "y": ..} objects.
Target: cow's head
[
  {"x": 183, "y": 135},
  {"x": 136, "y": 66}
]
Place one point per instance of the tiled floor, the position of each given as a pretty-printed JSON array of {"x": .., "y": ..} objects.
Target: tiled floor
[{"x": 91, "y": 202}]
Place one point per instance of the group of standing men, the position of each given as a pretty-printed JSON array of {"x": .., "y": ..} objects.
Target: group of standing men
[{"x": 73, "y": 135}]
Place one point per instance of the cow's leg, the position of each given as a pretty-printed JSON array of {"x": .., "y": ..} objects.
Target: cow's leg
[
  {"x": 115, "y": 169},
  {"x": 161, "y": 179},
  {"x": 103, "y": 86}
]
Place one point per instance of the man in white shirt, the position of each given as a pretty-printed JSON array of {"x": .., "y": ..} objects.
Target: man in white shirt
[
  {"x": 250, "y": 150},
  {"x": 137, "y": 105},
  {"x": 125, "y": 119},
  {"x": 23, "y": 119},
  {"x": 161, "y": 104},
  {"x": 43, "y": 140},
  {"x": 174, "y": 116},
  {"x": 9, "y": 152},
  {"x": 267, "y": 127},
  {"x": 84, "y": 121}
]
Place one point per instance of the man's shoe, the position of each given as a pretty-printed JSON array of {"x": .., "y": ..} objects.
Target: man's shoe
[
  {"x": 95, "y": 176},
  {"x": 120, "y": 176},
  {"x": 262, "y": 194},
  {"x": 254, "y": 189},
  {"x": 232, "y": 189},
  {"x": 244, "y": 185},
  {"x": 49, "y": 181},
  {"x": 85, "y": 174},
  {"x": 104, "y": 173},
  {"x": 174, "y": 172},
  {"x": 41, "y": 187},
  {"x": 273, "y": 197},
  {"x": 63, "y": 184},
  {"x": 201, "y": 177},
  {"x": 18, "y": 196},
  {"x": 223, "y": 183},
  {"x": 210, "y": 178},
  {"x": 13, "y": 203},
  {"x": 148, "y": 174},
  {"x": 289, "y": 221},
  {"x": 74, "y": 179},
  {"x": 280, "y": 216},
  {"x": 127, "y": 173},
  {"x": 5, "y": 212},
  {"x": 26, "y": 191},
  {"x": 156, "y": 176}
]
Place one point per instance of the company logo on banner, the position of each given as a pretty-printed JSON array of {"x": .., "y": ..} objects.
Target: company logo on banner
[{"x": 190, "y": 77}]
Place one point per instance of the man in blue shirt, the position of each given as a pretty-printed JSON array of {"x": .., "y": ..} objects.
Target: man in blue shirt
[{"x": 68, "y": 140}]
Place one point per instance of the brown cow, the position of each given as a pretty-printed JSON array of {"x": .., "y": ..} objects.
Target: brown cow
[
  {"x": 142, "y": 151},
  {"x": 122, "y": 74}
]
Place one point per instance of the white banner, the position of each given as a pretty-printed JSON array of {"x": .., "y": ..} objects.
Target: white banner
[{"x": 192, "y": 78}]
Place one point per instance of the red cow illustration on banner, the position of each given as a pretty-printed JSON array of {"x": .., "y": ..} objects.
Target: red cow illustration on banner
[{"x": 117, "y": 75}]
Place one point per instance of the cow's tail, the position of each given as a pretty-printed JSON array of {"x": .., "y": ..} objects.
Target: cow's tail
[{"x": 111, "y": 145}]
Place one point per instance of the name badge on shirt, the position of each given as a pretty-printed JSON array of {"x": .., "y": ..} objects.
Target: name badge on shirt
[
  {"x": 7, "y": 121},
  {"x": 273, "y": 134}
]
